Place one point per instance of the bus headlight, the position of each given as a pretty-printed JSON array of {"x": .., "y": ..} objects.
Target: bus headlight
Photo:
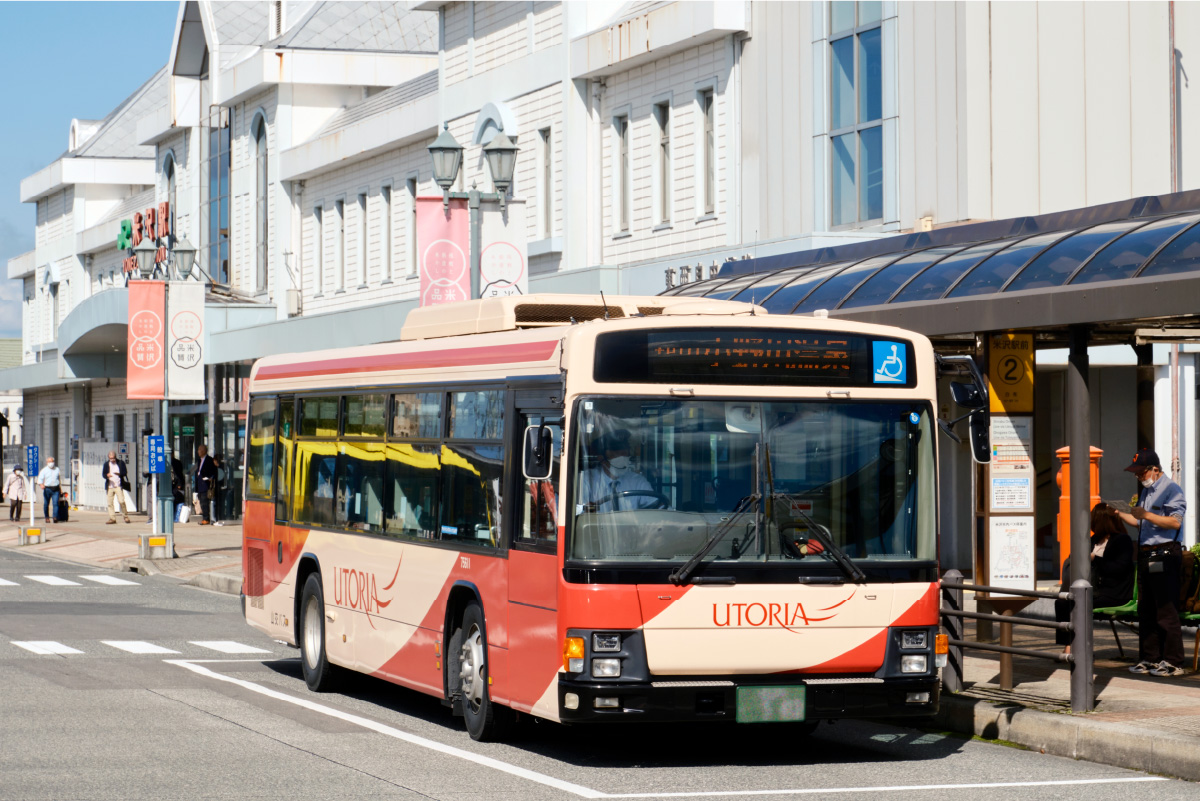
[
  {"x": 912, "y": 639},
  {"x": 914, "y": 663},
  {"x": 606, "y": 643},
  {"x": 606, "y": 668}
]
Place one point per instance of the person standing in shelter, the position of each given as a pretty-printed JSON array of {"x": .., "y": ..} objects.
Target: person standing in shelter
[
  {"x": 14, "y": 490},
  {"x": 205, "y": 481},
  {"x": 112, "y": 472},
  {"x": 50, "y": 480},
  {"x": 1159, "y": 519}
]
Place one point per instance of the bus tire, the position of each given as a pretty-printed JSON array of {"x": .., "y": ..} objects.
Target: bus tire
[
  {"x": 319, "y": 674},
  {"x": 486, "y": 721}
]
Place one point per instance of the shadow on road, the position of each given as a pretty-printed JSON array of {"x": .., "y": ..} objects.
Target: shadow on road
[{"x": 657, "y": 745}]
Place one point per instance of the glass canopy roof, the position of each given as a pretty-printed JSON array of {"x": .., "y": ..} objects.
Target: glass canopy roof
[{"x": 1130, "y": 248}]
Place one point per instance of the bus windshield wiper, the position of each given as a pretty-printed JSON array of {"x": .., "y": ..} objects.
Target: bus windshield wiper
[
  {"x": 682, "y": 573},
  {"x": 826, "y": 537}
]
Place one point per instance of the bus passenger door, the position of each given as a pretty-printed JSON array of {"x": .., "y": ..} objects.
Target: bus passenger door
[
  {"x": 534, "y": 650},
  {"x": 283, "y": 553}
]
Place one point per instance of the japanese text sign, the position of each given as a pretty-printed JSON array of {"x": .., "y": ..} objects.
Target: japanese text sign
[
  {"x": 144, "y": 363},
  {"x": 443, "y": 248},
  {"x": 158, "y": 454}
]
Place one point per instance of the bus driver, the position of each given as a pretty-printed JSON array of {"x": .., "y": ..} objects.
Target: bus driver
[{"x": 613, "y": 485}]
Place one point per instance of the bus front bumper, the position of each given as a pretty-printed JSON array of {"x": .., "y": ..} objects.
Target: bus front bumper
[{"x": 717, "y": 700}]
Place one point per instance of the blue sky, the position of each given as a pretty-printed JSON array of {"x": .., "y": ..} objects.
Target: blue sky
[{"x": 59, "y": 61}]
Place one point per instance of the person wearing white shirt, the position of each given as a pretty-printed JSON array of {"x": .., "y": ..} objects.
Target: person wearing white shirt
[
  {"x": 614, "y": 485},
  {"x": 50, "y": 480}
]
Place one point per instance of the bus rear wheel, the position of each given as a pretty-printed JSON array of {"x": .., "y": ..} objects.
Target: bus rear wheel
[
  {"x": 319, "y": 674},
  {"x": 486, "y": 721}
]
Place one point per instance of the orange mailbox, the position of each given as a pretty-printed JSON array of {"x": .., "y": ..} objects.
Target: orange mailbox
[{"x": 1064, "y": 501}]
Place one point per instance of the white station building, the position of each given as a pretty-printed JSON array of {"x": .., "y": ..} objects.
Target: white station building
[{"x": 660, "y": 143}]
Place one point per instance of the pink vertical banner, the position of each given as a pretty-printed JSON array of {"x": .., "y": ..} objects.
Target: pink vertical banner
[
  {"x": 443, "y": 245},
  {"x": 145, "y": 370}
]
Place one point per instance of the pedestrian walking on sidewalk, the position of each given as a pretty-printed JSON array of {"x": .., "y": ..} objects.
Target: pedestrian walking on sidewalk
[
  {"x": 1159, "y": 519},
  {"x": 14, "y": 490},
  {"x": 115, "y": 481},
  {"x": 1112, "y": 568},
  {"x": 205, "y": 481},
  {"x": 50, "y": 480}
]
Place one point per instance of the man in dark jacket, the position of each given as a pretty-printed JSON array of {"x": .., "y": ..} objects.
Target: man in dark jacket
[
  {"x": 113, "y": 474},
  {"x": 205, "y": 481}
]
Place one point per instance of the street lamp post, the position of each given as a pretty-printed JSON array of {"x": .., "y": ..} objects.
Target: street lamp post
[
  {"x": 182, "y": 260},
  {"x": 501, "y": 156}
]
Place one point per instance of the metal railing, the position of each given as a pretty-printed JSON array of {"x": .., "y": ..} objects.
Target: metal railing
[{"x": 1080, "y": 625}]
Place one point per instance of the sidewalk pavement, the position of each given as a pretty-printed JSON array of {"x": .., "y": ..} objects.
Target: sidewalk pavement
[
  {"x": 208, "y": 556},
  {"x": 1140, "y": 722}
]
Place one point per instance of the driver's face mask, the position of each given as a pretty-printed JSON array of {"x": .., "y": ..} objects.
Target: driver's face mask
[{"x": 620, "y": 465}]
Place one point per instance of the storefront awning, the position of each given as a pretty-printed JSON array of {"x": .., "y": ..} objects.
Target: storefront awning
[{"x": 1116, "y": 267}]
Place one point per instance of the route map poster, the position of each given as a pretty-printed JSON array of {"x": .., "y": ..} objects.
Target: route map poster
[
  {"x": 1011, "y": 554},
  {"x": 1011, "y": 473}
]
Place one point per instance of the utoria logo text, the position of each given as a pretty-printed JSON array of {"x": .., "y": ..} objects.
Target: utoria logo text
[{"x": 788, "y": 616}]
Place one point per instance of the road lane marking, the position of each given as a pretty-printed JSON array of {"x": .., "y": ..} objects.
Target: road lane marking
[
  {"x": 229, "y": 647},
  {"x": 380, "y": 728},
  {"x": 55, "y": 581},
  {"x": 138, "y": 647},
  {"x": 7, "y": 583},
  {"x": 46, "y": 647},
  {"x": 195, "y": 666},
  {"x": 112, "y": 581},
  {"x": 892, "y": 788}
]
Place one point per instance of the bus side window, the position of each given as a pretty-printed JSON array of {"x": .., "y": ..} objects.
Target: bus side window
[
  {"x": 471, "y": 494},
  {"x": 260, "y": 462},
  {"x": 313, "y": 498},
  {"x": 539, "y": 501}
]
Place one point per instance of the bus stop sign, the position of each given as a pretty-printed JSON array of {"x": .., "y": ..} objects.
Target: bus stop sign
[
  {"x": 31, "y": 460},
  {"x": 158, "y": 455}
]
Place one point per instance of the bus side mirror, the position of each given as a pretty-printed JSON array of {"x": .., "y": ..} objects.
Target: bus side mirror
[
  {"x": 981, "y": 446},
  {"x": 538, "y": 453},
  {"x": 967, "y": 396}
]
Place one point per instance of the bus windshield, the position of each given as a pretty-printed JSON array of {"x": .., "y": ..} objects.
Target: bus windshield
[{"x": 655, "y": 479}]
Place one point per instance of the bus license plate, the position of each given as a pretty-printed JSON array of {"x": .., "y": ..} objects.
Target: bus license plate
[{"x": 770, "y": 704}]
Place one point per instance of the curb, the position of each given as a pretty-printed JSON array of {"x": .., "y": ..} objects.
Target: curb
[
  {"x": 1077, "y": 737},
  {"x": 218, "y": 582}
]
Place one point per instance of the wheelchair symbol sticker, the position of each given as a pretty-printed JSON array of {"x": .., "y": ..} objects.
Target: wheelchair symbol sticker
[{"x": 889, "y": 361}]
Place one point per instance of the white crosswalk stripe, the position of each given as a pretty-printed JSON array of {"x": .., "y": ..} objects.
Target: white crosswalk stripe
[
  {"x": 55, "y": 581},
  {"x": 138, "y": 647},
  {"x": 229, "y": 647},
  {"x": 112, "y": 581},
  {"x": 7, "y": 583},
  {"x": 46, "y": 647}
]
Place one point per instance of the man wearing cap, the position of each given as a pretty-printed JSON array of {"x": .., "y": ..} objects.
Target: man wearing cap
[
  {"x": 614, "y": 485},
  {"x": 1158, "y": 517}
]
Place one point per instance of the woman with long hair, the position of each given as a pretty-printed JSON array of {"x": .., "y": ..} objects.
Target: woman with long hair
[{"x": 1112, "y": 567}]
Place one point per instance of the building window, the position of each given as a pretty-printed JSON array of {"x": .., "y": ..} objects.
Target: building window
[
  {"x": 360, "y": 240},
  {"x": 319, "y": 248},
  {"x": 99, "y": 426},
  {"x": 339, "y": 243},
  {"x": 411, "y": 188},
  {"x": 709, "y": 145},
  {"x": 54, "y": 312},
  {"x": 260, "y": 204},
  {"x": 624, "y": 176},
  {"x": 385, "y": 230},
  {"x": 216, "y": 243},
  {"x": 118, "y": 428},
  {"x": 547, "y": 181},
  {"x": 662, "y": 121},
  {"x": 856, "y": 112}
]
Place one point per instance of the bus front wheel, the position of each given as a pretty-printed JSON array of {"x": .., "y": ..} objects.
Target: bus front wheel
[
  {"x": 319, "y": 675},
  {"x": 486, "y": 721}
]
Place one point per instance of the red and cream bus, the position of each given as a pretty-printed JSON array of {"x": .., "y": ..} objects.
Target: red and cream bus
[{"x": 645, "y": 508}]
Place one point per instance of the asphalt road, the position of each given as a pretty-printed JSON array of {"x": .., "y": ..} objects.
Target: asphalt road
[{"x": 154, "y": 690}]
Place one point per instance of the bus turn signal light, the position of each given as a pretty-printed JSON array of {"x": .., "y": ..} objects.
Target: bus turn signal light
[
  {"x": 573, "y": 654},
  {"x": 941, "y": 644}
]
